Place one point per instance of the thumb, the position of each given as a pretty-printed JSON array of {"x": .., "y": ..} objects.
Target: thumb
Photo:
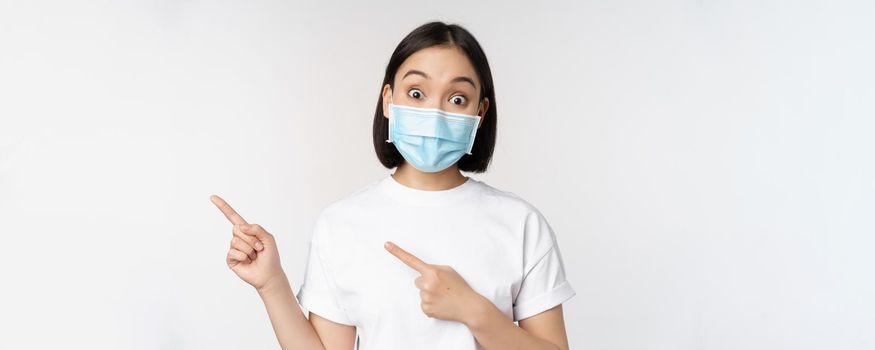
[{"x": 257, "y": 231}]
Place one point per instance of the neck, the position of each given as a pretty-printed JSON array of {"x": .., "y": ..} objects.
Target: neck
[{"x": 445, "y": 179}]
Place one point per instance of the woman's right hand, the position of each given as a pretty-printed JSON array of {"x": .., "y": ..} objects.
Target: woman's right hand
[{"x": 253, "y": 254}]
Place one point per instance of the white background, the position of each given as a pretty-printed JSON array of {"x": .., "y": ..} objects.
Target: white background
[{"x": 707, "y": 165}]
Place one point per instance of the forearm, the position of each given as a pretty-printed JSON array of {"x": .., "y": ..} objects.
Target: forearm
[
  {"x": 293, "y": 330},
  {"x": 495, "y": 331}
]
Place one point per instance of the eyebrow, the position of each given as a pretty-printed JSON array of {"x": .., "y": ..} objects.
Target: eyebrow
[{"x": 456, "y": 79}]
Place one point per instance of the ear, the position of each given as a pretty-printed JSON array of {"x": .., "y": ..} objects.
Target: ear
[
  {"x": 387, "y": 91},
  {"x": 482, "y": 112}
]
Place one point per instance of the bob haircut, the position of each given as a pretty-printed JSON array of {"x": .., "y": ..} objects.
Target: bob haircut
[{"x": 425, "y": 36}]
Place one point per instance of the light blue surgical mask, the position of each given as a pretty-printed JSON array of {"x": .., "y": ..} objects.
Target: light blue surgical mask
[{"x": 431, "y": 139}]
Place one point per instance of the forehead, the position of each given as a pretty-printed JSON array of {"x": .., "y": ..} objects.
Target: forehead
[{"x": 441, "y": 63}]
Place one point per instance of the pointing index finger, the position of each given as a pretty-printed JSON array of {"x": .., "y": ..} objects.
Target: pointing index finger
[
  {"x": 226, "y": 209},
  {"x": 405, "y": 257}
]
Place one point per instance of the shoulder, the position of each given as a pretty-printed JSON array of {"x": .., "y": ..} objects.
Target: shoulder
[
  {"x": 363, "y": 197},
  {"x": 538, "y": 237},
  {"x": 509, "y": 201}
]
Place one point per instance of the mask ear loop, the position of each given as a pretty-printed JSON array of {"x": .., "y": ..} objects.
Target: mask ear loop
[
  {"x": 479, "y": 118},
  {"x": 476, "y": 127},
  {"x": 391, "y": 119}
]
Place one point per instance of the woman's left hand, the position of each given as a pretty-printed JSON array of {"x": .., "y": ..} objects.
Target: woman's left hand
[{"x": 445, "y": 295}]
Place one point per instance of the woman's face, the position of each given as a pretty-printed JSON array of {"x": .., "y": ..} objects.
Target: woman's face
[{"x": 437, "y": 77}]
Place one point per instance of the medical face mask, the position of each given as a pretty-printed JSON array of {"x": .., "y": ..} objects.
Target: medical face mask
[{"x": 431, "y": 139}]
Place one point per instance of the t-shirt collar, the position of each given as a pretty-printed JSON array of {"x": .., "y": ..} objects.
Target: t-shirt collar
[{"x": 412, "y": 196}]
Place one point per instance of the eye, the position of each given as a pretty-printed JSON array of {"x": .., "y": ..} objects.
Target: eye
[
  {"x": 415, "y": 93},
  {"x": 458, "y": 99}
]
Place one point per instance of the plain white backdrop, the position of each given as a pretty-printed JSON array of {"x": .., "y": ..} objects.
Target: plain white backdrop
[{"x": 707, "y": 165}]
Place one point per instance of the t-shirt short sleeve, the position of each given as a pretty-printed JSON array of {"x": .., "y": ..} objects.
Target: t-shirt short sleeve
[
  {"x": 318, "y": 292},
  {"x": 544, "y": 285}
]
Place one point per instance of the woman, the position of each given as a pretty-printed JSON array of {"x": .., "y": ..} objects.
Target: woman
[{"x": 460, "y": 260}]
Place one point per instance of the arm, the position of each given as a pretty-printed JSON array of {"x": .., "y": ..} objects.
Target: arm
[
  {"x": 445, "y": 295},
  {"x": 254, "y": 257},
  {"x": 493, "y": 330},
  {"x": 292, "y": 329}
]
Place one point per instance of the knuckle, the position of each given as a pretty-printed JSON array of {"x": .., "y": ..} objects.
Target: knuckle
[
  {"x": 239, "y": 245},
  {"x": 427, "y": 309}
]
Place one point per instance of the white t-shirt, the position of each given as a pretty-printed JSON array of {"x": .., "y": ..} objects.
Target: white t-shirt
[{"x": 499, "y": 243}]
